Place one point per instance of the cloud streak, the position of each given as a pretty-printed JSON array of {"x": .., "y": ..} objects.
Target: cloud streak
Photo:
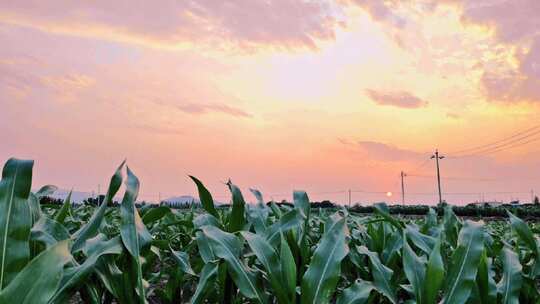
[
  {"x": 202, "y": 108},
  {"x": 383, "y": 152},
  {"x": 515, "y": 23},
  {"x": 400, "y": 99},
  {"x": 168, "y": 24}
]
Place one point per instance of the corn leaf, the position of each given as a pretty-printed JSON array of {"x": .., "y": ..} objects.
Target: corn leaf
[
  {"x": 510, "y": 284},
  {"x": 321, "y": 277},
  {"x": 464, "y": 263},
  {"x": 237, "y": 216},
  {"x": 91, "y": 228},
  {"x": 357, "y": 293},
  {"x": 38, "y": 281},
  {"x": 227, "y": 247},
  {"x": 434, "y": 275},
  {"x": 15, "y": 218},
  {"x": 382, "y": 275},
  {"x": 415, "y": 271},
  {"x": 130, "y": 227},
  {"x": 269, "y": 259},
  {"x": 64, "y": 211},
  {"x": 207, "y": 275},
  {"x": 205, "y": 197}
]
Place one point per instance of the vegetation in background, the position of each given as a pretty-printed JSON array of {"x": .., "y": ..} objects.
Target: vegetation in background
[{"x": 252, "y": 253}]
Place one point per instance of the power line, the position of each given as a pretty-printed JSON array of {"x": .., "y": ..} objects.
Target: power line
[
  {"x": 479, "y": 179},
  {"x": 421, "y": 165},
  {"x": 488, "y": 145},
  {"x": 523, "y": 140},
  {"x": 457, "y": 178},
  {"x": 513, "y": 146}
]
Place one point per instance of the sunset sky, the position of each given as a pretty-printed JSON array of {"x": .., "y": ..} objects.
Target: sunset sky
[{"x": 322, "y": 95}]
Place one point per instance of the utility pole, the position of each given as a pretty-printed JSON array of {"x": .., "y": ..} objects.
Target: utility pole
[
  {"x": 532, "y": 196},
  {"x": 159, "y": 198},
  {"x": 403, "y": 188},
  {"x": 437, "y": 157},
  {"x": 349, "y": 198}
]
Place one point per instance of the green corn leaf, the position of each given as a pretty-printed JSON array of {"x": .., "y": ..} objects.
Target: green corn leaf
[
  {"x": 91, "y": 228},
  {"x": 290, "y": 220},
  {"x": 522, "y": 230},
  {"x": 205, "y": 197},
  {"x": 269, "y": 259},
  {"x": 321, "y": 277},
  {"x": 205, "y": 250},
  {"x": 205, "y": 220},
  {"x": 15, "y": 218},
  {"x": 420, "y": 240},
  {"x": 434, "y": 275},
  {"x": 288, "y": 268},
  {"x": 452, "y": 226},
  {"x": 357, "y": 293},
  {"x": 464, "y": 263},
  {"x": 64, "y": 211},
  {"x": 430, "y": 221},
  {"x": 37, "y": 282},
  {"x": 258, "y": 216},
  {"x": 130, "y": 227},
  {"x": 275, "y": 209},
  {"x": 415, "y": 271},
  {"x": 237, "y": 217},
  {"x": 487, "y": 290},
  {"x": 208, "y": 273},
  {"x": 155, "y": 214},
  {"x": 525, "y": 235},
  {"x": 258, "y": 213},
  {"x": 510, "y": 284},
  {"x": 46, "y": 191},
  {"x": 119, "y": 283},
  {"x": 35, "y": 211},
  {"x": 35, "y": 207},
  {"x": 382, "y": 210},
  {"x": 48, "y": 232},
  {"x": 258, "y": 196},
  {"x": 75, "y": 277},
  {"x": 301, "y": 202},
  {"x": 382, "y": 275},
  {"x": 227, "y": 247},
  {"x": 182, "y": 259}
]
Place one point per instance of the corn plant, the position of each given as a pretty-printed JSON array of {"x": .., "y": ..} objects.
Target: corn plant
[{"x": 251, "y": 253}]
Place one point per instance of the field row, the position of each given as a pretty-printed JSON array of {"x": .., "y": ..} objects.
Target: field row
[{"x": 252, "y": 253}]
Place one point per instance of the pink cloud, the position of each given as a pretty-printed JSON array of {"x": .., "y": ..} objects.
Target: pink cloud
[
  {"x": 400, "y": 99},
  {"x": 381, "y": 11},
  {"x": 384, "y": 152},
  {"x": 281, "y": 23},
  {"x": 201, "y": 108},
  {"x": 515, "y": 22}
]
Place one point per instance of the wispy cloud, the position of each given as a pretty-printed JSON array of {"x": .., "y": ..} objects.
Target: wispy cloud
[
  {"x": 515, "y": 23},
  {"x": 400, "y": 99},
  {"x": 203, "y": 108},
  {"x": 382, "y": 151},
  {"x": 281, "y": 23}
]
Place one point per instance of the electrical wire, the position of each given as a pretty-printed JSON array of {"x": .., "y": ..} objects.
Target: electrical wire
[
  {"x": 488, "y": 145},
  {"x": 517, "y": 142}
]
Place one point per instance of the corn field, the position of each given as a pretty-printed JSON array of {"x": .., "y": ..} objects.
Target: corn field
[{"x": 251, "y": 253}]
